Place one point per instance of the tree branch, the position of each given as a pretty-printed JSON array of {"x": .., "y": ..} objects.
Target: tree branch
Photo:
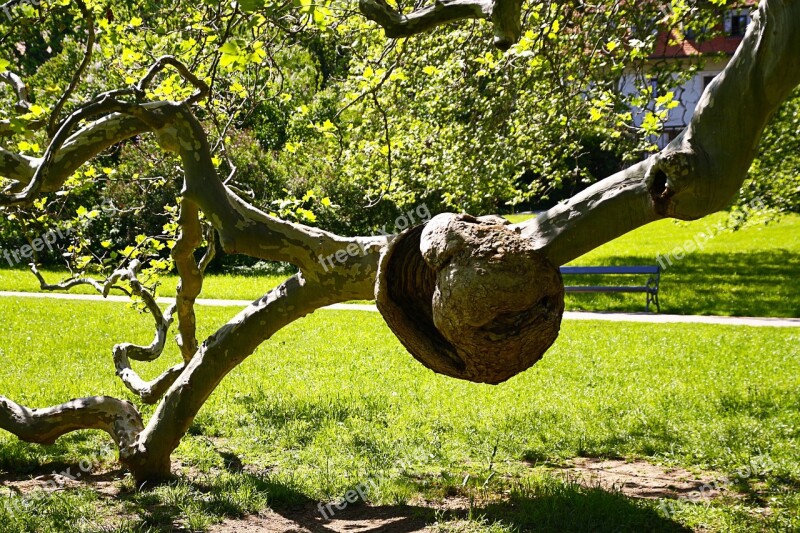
[
  {"x": 191, "y": 276},
  {"x": 19, "y": 87},
  {"x": 150, "y": 392},
  {"x": 104, "y": 104},
  {"x": 396, "y": 24},
  {"x": 506, "y": 15},
  {"x": 118, "y": 418},
  {"x": 218, "y": 355},
  {"x": 163, "y": 321},
  {"x": 700, "y": 171}
]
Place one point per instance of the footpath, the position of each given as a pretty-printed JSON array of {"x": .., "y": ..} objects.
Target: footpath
[{"x": 568, "y": 315}]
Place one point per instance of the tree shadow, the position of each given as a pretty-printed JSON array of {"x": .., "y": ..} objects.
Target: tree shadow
[
  {"x": 554, "y": 505},
  {"x": 566, "y": 509}
]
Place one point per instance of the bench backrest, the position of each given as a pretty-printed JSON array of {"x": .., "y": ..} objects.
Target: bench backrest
[{"x": 611, "y": 270}]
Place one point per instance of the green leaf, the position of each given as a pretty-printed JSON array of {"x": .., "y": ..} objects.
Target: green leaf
[{"x": 251, "y": 5}]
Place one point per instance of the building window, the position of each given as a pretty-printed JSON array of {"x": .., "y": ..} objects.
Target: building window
[
  {"x": 708, "y": 79},
  {"x": 736, "y": 22},
  {"x": 695, "y": 33}
]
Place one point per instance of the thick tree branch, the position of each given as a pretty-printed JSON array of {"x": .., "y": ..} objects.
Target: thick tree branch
[
  {"x": 396, "y": 24},
  {"x": 67, "y": 151},
  {"x": 244, "y": 229},
  {"x": 218, "y": 355},
  {"x": 700, "y": 172},
  {"x": 104, "y": 104},
  {"x": 191, "y": 276},
  {"x": 82, "y": 146},
  {"x": 118, "y": 418},
  {"x": 505, "y": 15}
]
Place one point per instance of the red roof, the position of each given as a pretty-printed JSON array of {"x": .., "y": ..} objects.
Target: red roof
[{"x": 673, "y": 44}]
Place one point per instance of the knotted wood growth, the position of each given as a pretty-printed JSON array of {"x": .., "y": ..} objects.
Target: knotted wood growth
[{"x": 470, "y": 298}]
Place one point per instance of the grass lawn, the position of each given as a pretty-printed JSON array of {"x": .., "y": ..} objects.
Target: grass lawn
[
  {"x": 333, "y": 401},
  {"x": 751, "y": 272}
]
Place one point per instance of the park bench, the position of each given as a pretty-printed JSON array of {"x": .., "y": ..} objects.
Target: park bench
[{"x": 650, "y": 288}]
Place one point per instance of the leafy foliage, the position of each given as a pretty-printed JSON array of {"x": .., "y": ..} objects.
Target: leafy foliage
[{"x": 316, "y": 116}]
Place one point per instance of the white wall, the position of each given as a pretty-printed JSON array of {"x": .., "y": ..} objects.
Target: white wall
[{"x": 688, "y": 95}]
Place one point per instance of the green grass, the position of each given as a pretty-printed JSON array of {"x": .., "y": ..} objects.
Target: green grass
[
  {"x": 333, "y": 401},
  {"x": 750, "y": 272}
]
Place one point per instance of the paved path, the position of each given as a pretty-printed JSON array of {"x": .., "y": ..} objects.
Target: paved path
[{"x": 569, "y": 315}]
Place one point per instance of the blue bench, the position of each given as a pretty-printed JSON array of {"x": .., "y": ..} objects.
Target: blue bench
[{"x": 650, "y": 287}]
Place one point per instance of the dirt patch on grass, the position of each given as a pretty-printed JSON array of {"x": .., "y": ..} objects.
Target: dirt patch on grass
[
  {"x": 634, "y": 479},
  {"x": 102, "y": 482},
  {"x": 357, "y": 519},
  {"x": 639, "y": 479}
]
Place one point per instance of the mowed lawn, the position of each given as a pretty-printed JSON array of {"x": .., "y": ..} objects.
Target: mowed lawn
[
  {"x": 334, "y": 401},
  {"x": 750, "y": 272},
  {"x": 754, "y": 271}
]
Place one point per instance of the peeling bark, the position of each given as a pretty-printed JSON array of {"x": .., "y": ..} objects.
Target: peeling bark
[
  {"x": 118, "y": 418},
  {"x": 191, "y": 277}
]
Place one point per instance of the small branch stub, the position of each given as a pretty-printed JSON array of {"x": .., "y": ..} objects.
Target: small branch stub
[{"x": 470, "y": 298}]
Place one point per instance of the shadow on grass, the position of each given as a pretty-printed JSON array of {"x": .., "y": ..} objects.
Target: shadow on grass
[
  {"x": 546, "y": 504},
  {"x": 567, "y": 509},
  {"x": 735, "y": 284}
]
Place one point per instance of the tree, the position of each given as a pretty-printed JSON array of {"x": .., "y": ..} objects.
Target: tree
[{"x": 473, "y": 298}]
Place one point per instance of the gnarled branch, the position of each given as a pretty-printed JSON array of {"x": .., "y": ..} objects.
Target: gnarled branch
[
  {"x": 700, "y": 171},
  {"x": 191, "y": 276},
  {"x": 396, "y": 24},
  {"x": 505, "y": 15},
  {"x": 163, "y": 321},
  {"x": 148, "y": 391},
  {"x": 19, "y": 87},
  {"x": 118, "y": 418}
]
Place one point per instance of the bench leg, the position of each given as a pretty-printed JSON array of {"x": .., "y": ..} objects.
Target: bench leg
[{"x": 652, "y": 297}]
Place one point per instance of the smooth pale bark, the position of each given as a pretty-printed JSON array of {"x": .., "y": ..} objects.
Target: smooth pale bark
[
  {"x": 120, "y": 419},
  {"x": 695, "y": 175}
]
